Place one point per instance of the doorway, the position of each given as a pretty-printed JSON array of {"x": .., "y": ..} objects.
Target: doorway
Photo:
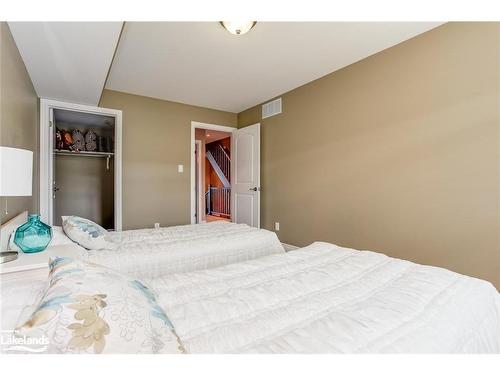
[
  {"x": 217, "y": 187},
  {"x": 211, "y": 166},
  {"x": 240, "y": 201}
]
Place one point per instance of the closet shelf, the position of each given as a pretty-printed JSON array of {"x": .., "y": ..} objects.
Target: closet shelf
[{"x": 84, "y": 153}]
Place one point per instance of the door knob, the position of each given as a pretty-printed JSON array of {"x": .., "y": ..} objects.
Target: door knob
[{"x": 253, "y": 189}]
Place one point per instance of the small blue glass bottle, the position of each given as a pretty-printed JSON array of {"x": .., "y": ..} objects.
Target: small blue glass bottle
[{"x": 33, "y": 236}]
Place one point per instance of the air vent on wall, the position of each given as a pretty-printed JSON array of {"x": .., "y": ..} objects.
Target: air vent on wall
[{"x": 271, "y": 108}]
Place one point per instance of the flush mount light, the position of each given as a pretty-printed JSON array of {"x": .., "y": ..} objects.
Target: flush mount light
[{"x": 238, "y": 27}]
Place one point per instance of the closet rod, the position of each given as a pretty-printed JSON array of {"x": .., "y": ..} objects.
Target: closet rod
[{"x": 85, "y": 153}]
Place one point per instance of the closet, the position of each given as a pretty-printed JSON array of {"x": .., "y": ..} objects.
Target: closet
[{"x": 80, "y": 163}]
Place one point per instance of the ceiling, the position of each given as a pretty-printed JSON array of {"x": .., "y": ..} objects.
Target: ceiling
[
  {"x": 200, "y": 63},
  {"x": 214, "y": 135},
  {"x": 67, "y": 61},
  {"x": 197, "y": 63}
]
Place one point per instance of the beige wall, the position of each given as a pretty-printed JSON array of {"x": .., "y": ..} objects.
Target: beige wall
[
  {"x": 398, "y": 153},
  {"x": 156, "y": 138},
  {"x": 18, "y": 117},
  {"x": 86, "y": 189}
]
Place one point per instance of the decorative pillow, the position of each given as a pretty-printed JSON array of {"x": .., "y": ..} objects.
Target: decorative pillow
[
  {"x": 88, "y": 308},
  {"x": 85, "y": 232}
]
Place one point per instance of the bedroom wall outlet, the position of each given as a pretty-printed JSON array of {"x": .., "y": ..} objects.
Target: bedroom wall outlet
[
  {"x": 277, "y": 227},
  {"x": 157, "y": 225},
  {"x": 180, "y": 168}
]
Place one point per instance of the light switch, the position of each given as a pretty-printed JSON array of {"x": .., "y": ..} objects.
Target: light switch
[
  {"x": 180, "y": 168},
  {"x": 277, "y": 226}
]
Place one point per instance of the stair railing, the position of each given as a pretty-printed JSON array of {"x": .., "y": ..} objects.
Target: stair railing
[
  {"x": 218, "y": 201},
  {"x": 222, "y": 159}
]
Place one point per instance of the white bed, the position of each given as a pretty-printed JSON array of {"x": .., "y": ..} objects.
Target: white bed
[
  {"x": 324, "y": 298},
  {"x": 156, "y": 252}
]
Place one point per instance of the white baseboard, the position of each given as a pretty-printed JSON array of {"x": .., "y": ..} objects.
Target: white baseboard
[{"x": 289, "y": 247}]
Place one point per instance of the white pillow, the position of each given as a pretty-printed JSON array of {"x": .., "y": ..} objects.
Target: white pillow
[
  {"x": 87, "y": 308},
  {"x": 85, "y": 232}
]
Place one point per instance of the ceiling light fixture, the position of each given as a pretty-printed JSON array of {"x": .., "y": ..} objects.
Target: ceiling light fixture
[{"x": 238, "y": 27}]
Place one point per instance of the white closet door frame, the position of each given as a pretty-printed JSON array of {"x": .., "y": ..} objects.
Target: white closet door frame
[{"x": 46, "y": 147}]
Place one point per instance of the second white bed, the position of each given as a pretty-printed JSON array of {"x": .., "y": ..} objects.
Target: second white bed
[{"x": 324, "y": 298}]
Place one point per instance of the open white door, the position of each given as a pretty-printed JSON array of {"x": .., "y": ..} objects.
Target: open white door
[{"x": 245, "y": 175}]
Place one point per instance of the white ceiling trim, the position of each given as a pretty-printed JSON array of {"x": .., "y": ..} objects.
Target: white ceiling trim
[
  {"x": 67, "y": 61},
  {"x": 200, "y": 63}
]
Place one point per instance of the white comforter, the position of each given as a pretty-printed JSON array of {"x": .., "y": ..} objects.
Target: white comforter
[
  {"x": 17, "y": 297},
  {"x": 157, "y": 252},
  {"x": 324, "y": 298}
]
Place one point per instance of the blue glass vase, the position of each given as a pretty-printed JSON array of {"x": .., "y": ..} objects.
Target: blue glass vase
[{"x": 33, "y": 236}]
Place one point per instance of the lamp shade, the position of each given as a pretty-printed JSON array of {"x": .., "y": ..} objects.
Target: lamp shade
[{"x": 16, "y": 172}]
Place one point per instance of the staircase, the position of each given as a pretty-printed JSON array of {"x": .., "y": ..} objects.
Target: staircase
[
  {"x": 221, "y": 163},
  {"x": 218, "y": 200}
]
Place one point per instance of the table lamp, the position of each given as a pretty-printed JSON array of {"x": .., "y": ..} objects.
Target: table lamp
[{"x": 16, "y": 180}]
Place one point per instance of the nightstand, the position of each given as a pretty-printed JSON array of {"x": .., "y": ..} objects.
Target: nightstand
[{"x": 28, "y": 266}]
